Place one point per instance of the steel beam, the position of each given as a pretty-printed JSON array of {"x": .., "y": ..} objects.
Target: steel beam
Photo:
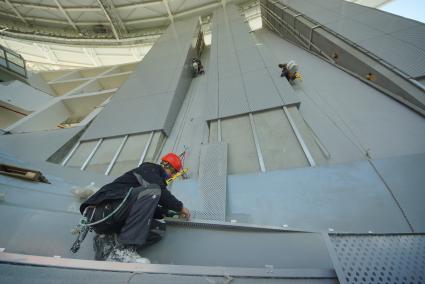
[
  {"x": 219, "y": 131},
  {"x": 83, "y": 8},
  {"x": 197, "y": 9},
  {"x": 117, "y": 153},
  {"x": 87, "y": 161},
  {"x": 109, "y": 17},
  {"x": 48, "y": 53},
  {"x": 16, "y": 12},
  {"x": 138, "y": 5},
  {"x": 92, "y": 55},
  {"x": 167, "y": 7},
  {"x": 66, "y": 15},
  {"x": 147, "y": 20}
]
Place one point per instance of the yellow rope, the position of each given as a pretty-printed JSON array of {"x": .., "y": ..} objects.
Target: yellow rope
[{"x": 171, "y": 179}]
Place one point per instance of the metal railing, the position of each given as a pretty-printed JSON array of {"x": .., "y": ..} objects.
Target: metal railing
[{"x": 12, "y": 61}]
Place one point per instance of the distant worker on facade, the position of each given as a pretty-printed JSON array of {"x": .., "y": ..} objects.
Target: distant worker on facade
[
  {"x": 198, "y": 68},
  {"x": 135, "y": 202},
  {"x": 290, "y": 71}
]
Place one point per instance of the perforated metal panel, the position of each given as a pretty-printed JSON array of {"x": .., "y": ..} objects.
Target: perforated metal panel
[
  {"x": 213, "y": 182},
  {"x": 379, "y": 259}
]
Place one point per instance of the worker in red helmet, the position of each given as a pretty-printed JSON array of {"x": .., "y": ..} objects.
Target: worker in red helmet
[{"x": 135, "y": 214}]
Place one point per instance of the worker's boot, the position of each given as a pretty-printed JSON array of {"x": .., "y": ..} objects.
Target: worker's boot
[
  {"x": 122, "y": 253},
  {"x": 103, "y": 245}
]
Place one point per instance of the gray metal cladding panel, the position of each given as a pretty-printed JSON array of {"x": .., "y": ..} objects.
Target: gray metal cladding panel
[
  {"x": 379, "y": 258},
  {"x": 213, "y": 72},
  {"x": 33, "y": 145},
  {"x": 147, "y": 83},
  {"x": 345, "y": 198},
  {"x": 383, "y": 21},
  {"x": 239, "y": 249},
  {"x": 351, "y": 9},
  {"x": 10, "y": 273},
  {"x": 237, "y": 27},
  {"x": 213, "y": 182},
  {"x": 323, "y": 15},
  {"x": 211, "y": 106},
  {"x": 23, "y": 274},
  {"x": 243, "y": 40},
  {"x": 228, "y": 66},
  {"x": 404, "y": 56},
  {"x": 232, "y": 100},
  {"x": 260, "y": 90},
  {"x": 405, "y": 177},
  {"x": 353, "y": 30},
  {"x": 285, "y": 89},
  {"x": 414, "y": 35},
  {"x": 333, "y": 5},
  {"x": 268, "y": 59},
  {"x": 129, "y": 116},
  {"x": 36, "y": 199},
  {"x": 162, "y": 55},
  {"x": 250, "y": 59},
  {"x": 40, "y": 232},
  {"x": 297, "y": 4},
  {"x": 182, "y": 86}
]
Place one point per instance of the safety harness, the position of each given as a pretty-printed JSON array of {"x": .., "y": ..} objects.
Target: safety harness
[{"x": 85, "y": 226}]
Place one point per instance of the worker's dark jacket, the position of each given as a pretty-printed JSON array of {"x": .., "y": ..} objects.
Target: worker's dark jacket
[{"x": 118, "y": 189}]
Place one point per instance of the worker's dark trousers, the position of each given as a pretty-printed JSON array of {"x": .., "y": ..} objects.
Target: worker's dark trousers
[{"x": 133, "y": 222}]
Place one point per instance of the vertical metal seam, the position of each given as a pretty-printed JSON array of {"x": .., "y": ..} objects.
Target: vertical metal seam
[
  {"x": 257, "y": 143},
  {"x": 219, "y": 130},
  {"x": 68, "y": 157},
  {"x": 299, "y": 138},
  {"x": 161, "y": 148},
  {"x": 87, "y": 161},
  {"x": 392, "y": 195},
  {"x": 146, "y": 148},
  {"x": 117, "y": 153}
]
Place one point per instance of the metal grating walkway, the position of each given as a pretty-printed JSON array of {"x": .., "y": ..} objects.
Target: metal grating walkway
[
  {"x": 213, "y": 182},
  {"x": 395, "y": 258}
]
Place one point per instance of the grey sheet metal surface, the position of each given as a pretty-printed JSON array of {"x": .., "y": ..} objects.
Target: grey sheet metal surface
[
  {"x": 183, "y": 245},
  {"x": 371, "y": 29},
  {"x": 344, "y": 198},
  {"x": 152, "y": 96},
  {"x": 10, "y": 273},
  {"x": 405, "y": 178},
  {"x": 240, "y": 79},
  {"x": 37, "y": 145}
]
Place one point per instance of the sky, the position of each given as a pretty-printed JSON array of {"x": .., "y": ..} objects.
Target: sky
[{"x": 412, "y": 9}]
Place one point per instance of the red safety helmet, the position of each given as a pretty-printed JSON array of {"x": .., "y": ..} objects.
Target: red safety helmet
[{"x": 174, "y": 160}]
